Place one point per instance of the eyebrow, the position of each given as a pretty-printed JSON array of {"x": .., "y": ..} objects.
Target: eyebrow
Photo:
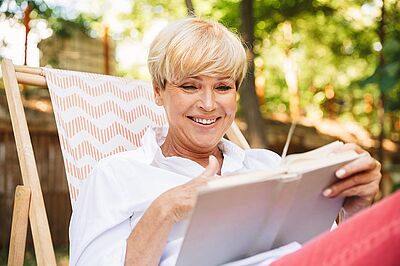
[{"x": 218, "y": 79}]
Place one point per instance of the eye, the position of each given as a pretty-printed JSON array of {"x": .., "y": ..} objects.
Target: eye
[
  {"x": 223, "y": 88},
  {"x": 189, "y": 87}
]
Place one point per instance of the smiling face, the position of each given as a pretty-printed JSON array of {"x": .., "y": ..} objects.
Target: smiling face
[
  {"x": 196, "y": 67},
  {"x": 199, "y": 110}
]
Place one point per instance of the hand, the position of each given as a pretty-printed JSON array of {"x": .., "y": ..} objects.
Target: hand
[
  {"x": 359, "y": 181},
  {"x": 179, "y": 201}
]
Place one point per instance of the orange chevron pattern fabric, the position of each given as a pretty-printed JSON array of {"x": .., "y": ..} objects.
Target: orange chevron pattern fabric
[{"x": 97, "y": 116}]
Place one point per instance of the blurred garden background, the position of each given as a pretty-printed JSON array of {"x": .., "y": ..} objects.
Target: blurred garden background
[{"x": 332, "y": 66}]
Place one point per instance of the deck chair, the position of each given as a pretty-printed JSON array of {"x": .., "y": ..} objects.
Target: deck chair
[{"x": 96, "y": 116}]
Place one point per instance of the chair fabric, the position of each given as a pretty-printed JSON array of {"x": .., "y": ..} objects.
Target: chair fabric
[{"x": 97, "y": 116}]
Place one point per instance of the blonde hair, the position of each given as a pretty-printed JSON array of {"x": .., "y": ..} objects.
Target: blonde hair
[{"x": 193, "y": 47}]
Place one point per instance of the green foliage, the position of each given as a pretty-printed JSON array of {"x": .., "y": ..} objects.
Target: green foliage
[
  {"x": 387, "y": 75},
  {"x": 143, "y": 15},
  {"x": 385, "y": 78},
  {"x": 61, "y": 21},
  {"x": 335, "y": 44},
  {"x": 145, "y": 12}
]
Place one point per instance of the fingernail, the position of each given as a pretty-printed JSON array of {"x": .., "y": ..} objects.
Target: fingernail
[
  {"x": 327, "y": 192},
  {"x": 211, "y": 158},
  {"x": 340, "y": 172}
]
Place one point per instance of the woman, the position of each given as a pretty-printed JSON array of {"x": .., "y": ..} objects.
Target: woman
[{"x": 133, "y": 207}]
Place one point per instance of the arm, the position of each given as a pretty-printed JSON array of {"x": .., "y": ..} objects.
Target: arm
[{"x": 146, "y": 242}]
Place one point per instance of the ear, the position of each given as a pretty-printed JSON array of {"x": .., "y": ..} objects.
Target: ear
[{"x": 157, "y": 94}]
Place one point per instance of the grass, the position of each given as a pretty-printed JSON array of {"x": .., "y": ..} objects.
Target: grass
[{"x": 30, "y": 260}]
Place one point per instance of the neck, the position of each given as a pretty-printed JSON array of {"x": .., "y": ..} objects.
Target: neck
[{"x": 172, "y": 147}]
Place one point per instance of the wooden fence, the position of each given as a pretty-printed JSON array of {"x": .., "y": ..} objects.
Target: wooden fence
[{"x": 52, "y": 178}]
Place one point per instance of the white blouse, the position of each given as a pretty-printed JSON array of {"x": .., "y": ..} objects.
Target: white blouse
[{"x": 122, "y": 186}]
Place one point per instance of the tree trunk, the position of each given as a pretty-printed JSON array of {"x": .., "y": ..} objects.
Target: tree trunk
[
  {"x": 386, "y": 183},
  {"x": 190, "y": 8},
  {"x": 248, "y": 97},
  {"x": 27, "y": 19},
  {"x": 106, "y": 50}
]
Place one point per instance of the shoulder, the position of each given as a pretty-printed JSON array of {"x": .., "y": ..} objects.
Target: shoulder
[
  {"x": 123, "y": 160},
  {"x": 113, "y": 171},
  {"x": 115, "y": 177},
  {"x": 143, "y": 155}
]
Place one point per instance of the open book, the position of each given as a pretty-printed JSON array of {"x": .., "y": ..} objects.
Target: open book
[{"x": 242, "y": 215}]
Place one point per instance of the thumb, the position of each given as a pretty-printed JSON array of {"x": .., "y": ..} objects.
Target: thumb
[{"x": 212, "y": 167}]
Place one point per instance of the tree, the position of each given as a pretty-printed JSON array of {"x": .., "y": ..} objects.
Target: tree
[
  {"x": 248, "y": 97},
  {"x": 387, "y": 78},
  {"x": 190, "y": 8}
]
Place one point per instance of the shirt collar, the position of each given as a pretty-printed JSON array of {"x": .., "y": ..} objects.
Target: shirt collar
[
  {"x": 152, "y": 140},
  {"x": 155, "y": 137},
  {"x": 233, "y": 156}
]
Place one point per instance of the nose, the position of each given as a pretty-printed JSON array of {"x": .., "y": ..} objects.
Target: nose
[{"x": 208, "y": 100}]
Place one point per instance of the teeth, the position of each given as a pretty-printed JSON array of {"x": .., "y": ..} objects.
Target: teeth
[{"x": 204, "y": 121}]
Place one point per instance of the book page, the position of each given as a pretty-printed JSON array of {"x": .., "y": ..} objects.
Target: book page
[
  {"x": 248, "y": 213},
  {"x": 249, "y": 177},
  {"x": 233, "y": 223},
  {"x": 304, "y": 164},
  {"x": 266, "y": 258},
  {"x": 314, "y": 154},
  {"x": 310, "y": 212}
]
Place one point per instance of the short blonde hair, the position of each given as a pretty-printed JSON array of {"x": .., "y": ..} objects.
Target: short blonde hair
[{"x": 193, "y": 47}]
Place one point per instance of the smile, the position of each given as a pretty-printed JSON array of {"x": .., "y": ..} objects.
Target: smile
[{"x": 203, "y": 121}]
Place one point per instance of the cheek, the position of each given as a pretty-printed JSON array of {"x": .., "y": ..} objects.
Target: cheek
[
  {"x": 176, "y": 106},
  {"x": 230, "y": 105}
]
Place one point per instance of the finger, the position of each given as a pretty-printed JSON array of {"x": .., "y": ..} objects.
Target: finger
[
  {"x": 364, "y": 163},
  {"x": 212, "y": 167},
  {"x": 353, "y": 181},
  {"x": 366, "y": 190}
]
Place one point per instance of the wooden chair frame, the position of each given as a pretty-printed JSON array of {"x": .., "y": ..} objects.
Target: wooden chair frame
[{"x": 28, "y": 200}]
